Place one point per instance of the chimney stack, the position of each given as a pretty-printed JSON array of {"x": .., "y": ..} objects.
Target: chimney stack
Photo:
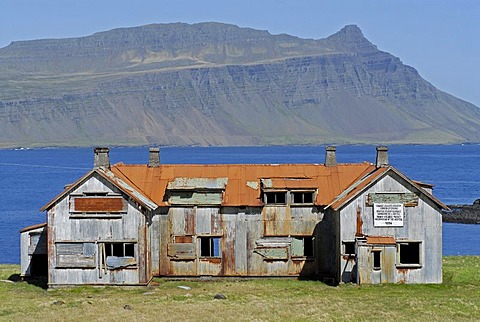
[
  {"x": 101, "y": 158},
  {"x": 154, "y": 158},
  {"x": 330, "y": 156},
  {"x": 382, "y": 156}
]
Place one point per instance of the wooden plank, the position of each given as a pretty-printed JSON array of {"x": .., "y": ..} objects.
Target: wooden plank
[
  {"x": 69, "y": 248},
  {"x": 273, "y": 253},
  {"x": 240, "y": 237},
  {"x": 114, "y": 262},
  {"x": 75, "y": 261}
]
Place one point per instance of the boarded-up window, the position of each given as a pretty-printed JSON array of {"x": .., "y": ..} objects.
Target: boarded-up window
[
  {"x": 273, "y": 248},
  {"x": 98, "y": 205},
  {"x": 182, "y": 248},
  {"x": 75, "y": 255}
]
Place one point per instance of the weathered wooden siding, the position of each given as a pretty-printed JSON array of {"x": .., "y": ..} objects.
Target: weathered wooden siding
[
  {"x": 247, "y": 238},
  {"x": 422, "y": 223},
  {"x": 73, "y": 241}
]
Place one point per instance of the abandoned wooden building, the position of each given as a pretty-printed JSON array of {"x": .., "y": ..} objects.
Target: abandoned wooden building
[{"x": 125, "y": 224}]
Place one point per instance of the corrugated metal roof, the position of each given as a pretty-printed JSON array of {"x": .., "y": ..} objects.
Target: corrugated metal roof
[
  {"x": 381, "y": 240},
  {"x": 244, "y": 180}
]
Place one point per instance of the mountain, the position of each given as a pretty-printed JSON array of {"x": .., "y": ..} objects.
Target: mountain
[{"x": 219, "y": 84}]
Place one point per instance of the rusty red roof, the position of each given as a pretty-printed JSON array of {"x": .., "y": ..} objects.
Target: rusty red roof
[
  {"x": 242, "y": 184},
  {"x": 244, "y": 181}
]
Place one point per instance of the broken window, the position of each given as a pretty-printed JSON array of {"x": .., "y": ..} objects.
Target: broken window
[
  {"x": 409, "y": 253},
  {"x": 209, "y": 246},
  {"x": 275, "y": 197},
  {"x": 303, "y": 246},
  {"x": 117, "y": 255},
  {"x": 302, "y": 197},
  {"x": 349, "y": 248},
  {"x": 377, "y": 259},
  {"x": 75, "y": 254}
]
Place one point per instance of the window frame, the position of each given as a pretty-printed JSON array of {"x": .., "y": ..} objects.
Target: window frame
[
  {"x": 103, "y": 255},
  {"x": 310, "y": 193},
  {"x": 276, "y": 193},
  {"x": 211, "y": 246},
  {"x": 409, "y": 243}
]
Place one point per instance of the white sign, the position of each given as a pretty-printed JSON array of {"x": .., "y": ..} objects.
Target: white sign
[{"x": 388, "y": 214}]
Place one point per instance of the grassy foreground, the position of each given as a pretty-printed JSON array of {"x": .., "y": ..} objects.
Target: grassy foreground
[{"x": 458, "y": 298}]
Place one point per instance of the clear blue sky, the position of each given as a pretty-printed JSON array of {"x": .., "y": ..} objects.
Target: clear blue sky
[{"x": 440, "y": 38}]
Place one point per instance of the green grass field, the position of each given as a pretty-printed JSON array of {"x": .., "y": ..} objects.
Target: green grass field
[{"x": 458, "y": 298}]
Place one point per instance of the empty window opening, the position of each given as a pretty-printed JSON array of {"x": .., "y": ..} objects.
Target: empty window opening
[
  {"x": 301, "y": 197},
  {"x": 377, "y": 259},
  {"x": 120, "y": 249},
  {"x": 303, "y": 246},
  {"x": 409, "y": 253},
  {"x": 209, "y": 246},
  {"x": 278, "y": 197},
  {"x": 349, "y": 248}
]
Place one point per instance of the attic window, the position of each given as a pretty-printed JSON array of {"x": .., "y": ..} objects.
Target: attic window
[
  {"x": 302, "y": 197},
  {"x": 275, "y": 197}
]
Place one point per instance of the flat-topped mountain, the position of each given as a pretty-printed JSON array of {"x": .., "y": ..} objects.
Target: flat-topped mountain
[{"x": 219, "y": 84}]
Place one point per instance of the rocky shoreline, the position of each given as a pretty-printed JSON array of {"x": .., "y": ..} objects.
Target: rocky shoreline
[{"x": 463, "y": 214}]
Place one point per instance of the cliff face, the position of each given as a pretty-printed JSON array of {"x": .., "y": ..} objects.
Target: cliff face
[{"x": 216, "y": 84}]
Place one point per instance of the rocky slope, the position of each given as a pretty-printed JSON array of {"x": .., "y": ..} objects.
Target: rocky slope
[{"x": 217, "y": 84}]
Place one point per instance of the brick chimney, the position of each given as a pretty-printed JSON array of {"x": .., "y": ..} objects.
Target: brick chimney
[
  {"x": 330, "y": 156},
  {"x": 101, "y": 158},
  {"x": 154, "y": 158},
  {"x": 382, "y": 156}
]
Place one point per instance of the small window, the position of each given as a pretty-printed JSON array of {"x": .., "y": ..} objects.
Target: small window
[
  {"x": 303, "y": 246},
  {"x": 209, "y": 246},
  {"x": 349, "y": 248},
  {"x": 409, "y": 253},
  {"x": 277, "y": 197},
  {"x": 377, "y": 259},
  {"x": 302, "y": 197}
]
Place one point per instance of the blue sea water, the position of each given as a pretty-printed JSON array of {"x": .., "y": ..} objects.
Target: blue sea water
[{"x": 30, "y": 178}]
